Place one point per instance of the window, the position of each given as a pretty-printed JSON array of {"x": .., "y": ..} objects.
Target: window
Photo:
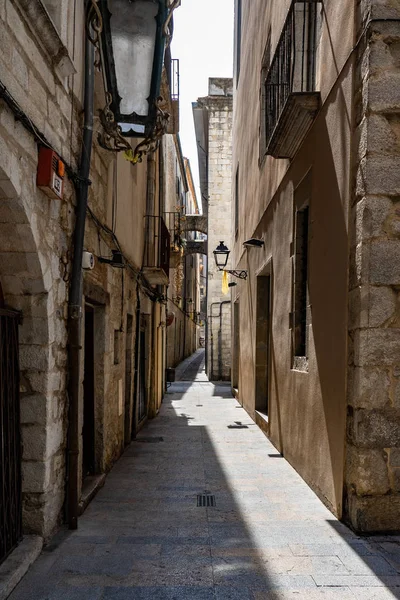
[
  {"x": 117, "y": 346},
  {"x": 293, "y": 67},
  {"x": 300, "y": 282},
  {"x": 301, "y": 315},
  {"x": 263, "y": 96},
  {"x": 237, "y": 202},
  {"x": 263, "y": 340},
  {"x": 238, "y": 38}
]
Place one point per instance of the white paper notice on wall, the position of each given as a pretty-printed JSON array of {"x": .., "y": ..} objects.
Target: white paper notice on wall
[{"x": 120, "y": 402}]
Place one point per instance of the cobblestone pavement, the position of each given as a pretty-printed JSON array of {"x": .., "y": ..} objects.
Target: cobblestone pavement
[{"x": 267, "y": 538}]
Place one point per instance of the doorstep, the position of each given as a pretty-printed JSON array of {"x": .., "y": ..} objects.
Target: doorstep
[
  {"x": 17, "y": 564},
  {"x": 91, "y": 485},
  {"x": 262, "y": 422}
]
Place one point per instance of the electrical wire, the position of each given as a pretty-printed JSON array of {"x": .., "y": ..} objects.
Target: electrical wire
[
  {"x": 137, "y": 275},
  {"x": 39, "y": 137}
]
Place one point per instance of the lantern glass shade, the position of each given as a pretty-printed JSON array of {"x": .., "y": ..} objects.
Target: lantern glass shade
[
  {"x": 133, "y": 46},
  {"x": 221, "y": 255},
  {"x": 133, "y": 34}
]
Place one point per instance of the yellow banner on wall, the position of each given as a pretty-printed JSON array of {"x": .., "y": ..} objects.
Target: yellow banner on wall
[{"x": 225, "y": 287}]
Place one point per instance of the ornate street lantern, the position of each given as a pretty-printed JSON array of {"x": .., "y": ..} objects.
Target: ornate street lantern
[
  {"x": 132, "y": 48},
  {"x": 221, "y": 255}
]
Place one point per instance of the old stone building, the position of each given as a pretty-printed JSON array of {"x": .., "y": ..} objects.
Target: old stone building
[
  {"x": 120, "y": 352},
  {"x": 213, "y": 127},
  {"x": 183, "y": 302},
  {"x": 316, "y": 324}
]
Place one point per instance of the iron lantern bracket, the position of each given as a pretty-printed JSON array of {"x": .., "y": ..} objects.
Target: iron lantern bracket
[{"x": 239, "y": 274}]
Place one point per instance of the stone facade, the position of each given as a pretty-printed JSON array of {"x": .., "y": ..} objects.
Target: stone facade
[
  {"x": 35, "y": 237},
  {"x": 373, "y": 441},
  {"x": 213, "y": 123},
  {"x": 183, "y": 291},
  {"x": 123, "y": 332}
]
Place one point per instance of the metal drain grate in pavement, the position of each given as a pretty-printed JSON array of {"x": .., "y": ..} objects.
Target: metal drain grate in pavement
[{"x": 205, "y": 500}]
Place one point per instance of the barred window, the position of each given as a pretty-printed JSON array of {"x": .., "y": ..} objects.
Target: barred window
[{"x": 301, "y": 282}]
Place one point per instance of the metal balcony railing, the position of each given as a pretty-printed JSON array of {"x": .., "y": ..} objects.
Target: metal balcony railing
[
  {"x": 157, "y": 250},
  {"x": 292, "y": 69},
  {"x": 173, "y": 223}
]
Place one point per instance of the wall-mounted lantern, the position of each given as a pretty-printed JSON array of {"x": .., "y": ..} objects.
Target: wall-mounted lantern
[
  {"x": 221, "y": 255},
  {"x": 132, "y": 53}
]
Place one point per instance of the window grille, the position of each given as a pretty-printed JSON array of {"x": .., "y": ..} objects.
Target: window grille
[
  {"x": 301, "y": 283},
  {"x": 237, "y": 202},
  {"x": 293, "y": 66},
  {"x": 10, "y": 447},
  {"x": 157, "y": 248}
]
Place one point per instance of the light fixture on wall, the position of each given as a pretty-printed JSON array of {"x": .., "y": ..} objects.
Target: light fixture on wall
[
  {"x": 221, "y": 255},
  {"x": 132, "y": 47},
  {"x": 253, "y": 243},
  {"x": 131, "y": 37}
]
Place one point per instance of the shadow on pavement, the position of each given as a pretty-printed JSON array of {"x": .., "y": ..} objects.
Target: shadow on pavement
[{"x": 268, "y": 537}]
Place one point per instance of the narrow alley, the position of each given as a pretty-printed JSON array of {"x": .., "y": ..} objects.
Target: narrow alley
[{"x": 263, "y": 534}]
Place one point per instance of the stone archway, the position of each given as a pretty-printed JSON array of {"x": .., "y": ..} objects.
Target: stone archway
[
  {"x": 195, "y": 247},
  {"x": 195, "y": 223},
  {"x": 23, "y": 278}
]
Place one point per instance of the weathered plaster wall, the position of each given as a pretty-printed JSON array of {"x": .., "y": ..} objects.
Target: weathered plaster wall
[
  {"x": 307, "y": 410},
  {"x": 126, "y": 186}
]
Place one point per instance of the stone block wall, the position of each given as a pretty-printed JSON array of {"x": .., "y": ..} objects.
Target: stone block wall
[
  {"x": 373, "y": 433},
  {"x": 219, "y": 104},
  {"x": 35, "y": 236},
  {"x": 36, "y": 252}
]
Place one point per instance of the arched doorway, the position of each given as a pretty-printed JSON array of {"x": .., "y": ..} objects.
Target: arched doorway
[
  {"x": 25, "y": 354},
  {"x": 10, "y": 447}
]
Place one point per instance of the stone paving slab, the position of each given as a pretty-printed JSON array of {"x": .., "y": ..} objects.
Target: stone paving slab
[{"x": 268, "y": 537}]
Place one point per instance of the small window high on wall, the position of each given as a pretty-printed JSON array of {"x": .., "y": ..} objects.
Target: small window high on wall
[
  {"x": 301, "y": 316},
  {"x": 300, "y": 283},
  {"x": 237, "y": 202}
]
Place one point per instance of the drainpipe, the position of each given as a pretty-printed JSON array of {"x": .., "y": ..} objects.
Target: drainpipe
[
  {"x": 185, "y": 317},
  {"x": 220, "y": 339},
  {"x": 210, "y": 372},
  {"x": 161, "y": 202},
  {"x": 137, "y": 365},
  {"x": 75, "y": 294},
  {"x": 150, "y": 210}
]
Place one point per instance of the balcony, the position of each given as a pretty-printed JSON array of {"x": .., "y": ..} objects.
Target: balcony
[
  {"x": 157, "y": 251},
  {"x": 170, "y": 92},
  {"x": 173, "y": 223},
  {"x": 291, "y": 101}
]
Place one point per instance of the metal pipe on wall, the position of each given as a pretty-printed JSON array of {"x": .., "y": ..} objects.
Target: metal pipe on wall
[
  {"x": 220, "y": 339},
  {"x": 75, "y": 295}
]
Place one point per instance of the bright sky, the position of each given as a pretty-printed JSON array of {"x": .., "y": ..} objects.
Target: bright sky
[{"x": 203, "y": 42}]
